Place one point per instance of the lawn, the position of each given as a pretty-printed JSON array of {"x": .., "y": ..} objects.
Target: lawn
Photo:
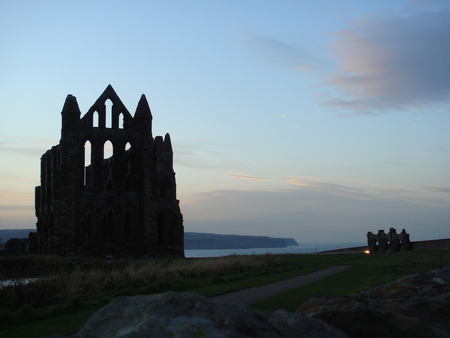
[
  {"x": 207, "y": 277},
  {"x": 367, "y": 272}
]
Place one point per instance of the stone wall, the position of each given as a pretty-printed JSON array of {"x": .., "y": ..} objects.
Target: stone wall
[{"x": 93, "y": 204}]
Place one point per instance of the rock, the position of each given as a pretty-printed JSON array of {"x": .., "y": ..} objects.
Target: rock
[
  {"x": 187, "y": 315},
  {"x": 413, "y": 306}
]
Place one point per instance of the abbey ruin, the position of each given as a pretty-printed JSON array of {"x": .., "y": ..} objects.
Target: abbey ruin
[
  {"x": 92, "y": 204},
  {"x": 392, "y": 242}
]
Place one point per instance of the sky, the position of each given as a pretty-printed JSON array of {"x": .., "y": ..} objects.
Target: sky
[{"x": 317, "y": 120}]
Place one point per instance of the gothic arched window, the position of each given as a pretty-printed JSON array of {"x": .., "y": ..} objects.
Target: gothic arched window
[
  {"x": 96, "y": 119},
  {"x": 108, "y": 113},
  {"x": 121, "y": 121},
  {"x": 87, "y": 171},
  {"x": 108, "y": 154}
]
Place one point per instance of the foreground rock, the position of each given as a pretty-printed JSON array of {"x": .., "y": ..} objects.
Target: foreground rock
[
  {"x": 413, "y": 306},
  {"x": 187, "y": 315}
]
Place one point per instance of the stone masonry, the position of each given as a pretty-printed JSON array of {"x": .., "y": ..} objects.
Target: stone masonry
[{"x": 124, "y": 205}]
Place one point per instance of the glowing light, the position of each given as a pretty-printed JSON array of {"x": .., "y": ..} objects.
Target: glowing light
[{"x": 367, "y": 252}]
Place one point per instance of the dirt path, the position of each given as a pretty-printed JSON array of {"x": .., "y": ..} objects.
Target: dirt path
[{"x": 253, "y": 295}]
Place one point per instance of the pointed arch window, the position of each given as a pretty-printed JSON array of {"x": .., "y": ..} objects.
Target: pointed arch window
[
  {"x": 108, "y": 154},
  {"x": 121, "y": 121},
  {"x": 87, "y": 173},
  {"x": 108, "y": 150},
  {"x": 96, "y": 119},
  {"x": 108, "y": 113},
  {"x": 128, "y": 168}
]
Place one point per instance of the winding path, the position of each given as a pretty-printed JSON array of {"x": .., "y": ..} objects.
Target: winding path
[{"x": 252, "y": 295}]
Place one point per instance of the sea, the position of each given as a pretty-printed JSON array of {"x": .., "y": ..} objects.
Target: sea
[{"x": 302, "y": 248}]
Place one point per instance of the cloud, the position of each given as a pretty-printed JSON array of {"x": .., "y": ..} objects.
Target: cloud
[
  {"x": 280, "y": 53},
  {"x": 301, "y": 195},
  {"x": 202, "y": 154},
  {"x": 393, "y": 63},
  {"x": 368, "y": 191},
  {"x": 246, "y": 177},
  {"x": 17, "y": 207},
  {"x": 329, "y": 188},
  {"x": 35, "y": 152},
  {"x": 438, "y": 189},
  {"x": 35, "y": 147},
  {"x": 311, "y": 215}
]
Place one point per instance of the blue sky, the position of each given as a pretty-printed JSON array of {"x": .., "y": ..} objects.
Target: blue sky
[{"x": 316, "y": 120}]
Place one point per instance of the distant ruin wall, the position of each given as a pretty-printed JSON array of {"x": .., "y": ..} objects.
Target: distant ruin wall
[
  {"x": 432, "y": 245},
  {"x": 388, "y": 242}
]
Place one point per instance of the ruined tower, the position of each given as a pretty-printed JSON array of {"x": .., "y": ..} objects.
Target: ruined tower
[{"x": 95, "y": 205}]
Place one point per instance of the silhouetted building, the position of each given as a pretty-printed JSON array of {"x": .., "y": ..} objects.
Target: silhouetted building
[
  {"x": 392, "y": 242},
  {"x": 123, "y": 205}
]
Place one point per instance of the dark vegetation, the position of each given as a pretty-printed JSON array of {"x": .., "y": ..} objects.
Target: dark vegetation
[
  {"x": 71, "y": 289},
  {"x": 69, "y": 284}
]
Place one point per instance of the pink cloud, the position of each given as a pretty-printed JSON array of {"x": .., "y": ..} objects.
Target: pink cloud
[
  {"x": 388, "y": 63},
  {"x": 246, "y": 177}
]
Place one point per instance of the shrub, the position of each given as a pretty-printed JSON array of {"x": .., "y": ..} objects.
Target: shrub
[{"x": 64, "y": 280}]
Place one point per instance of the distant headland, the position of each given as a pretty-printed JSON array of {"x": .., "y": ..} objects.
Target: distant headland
[
  {"x": 197, "y": 240},
  {"x": 206, "y": 241}
]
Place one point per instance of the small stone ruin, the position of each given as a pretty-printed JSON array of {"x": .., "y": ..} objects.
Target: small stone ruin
[{"x": 390, "y": 242}]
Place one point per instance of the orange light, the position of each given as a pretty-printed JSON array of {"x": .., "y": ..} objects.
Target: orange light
[{"x": 367, "y": 252}]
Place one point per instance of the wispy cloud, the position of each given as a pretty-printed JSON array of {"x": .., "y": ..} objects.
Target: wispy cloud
[
  {"x": 280, "y": 53},
  {"x": 28, "y": 146},
  {"x": 36, "y": 152},
  {"x": 393, "y": 63},
  {"x": 388, "y": 190},
  {"x": 16, "y": 207},
  {"x": 438, "y": 189},
  {"x": 330, "y": 188},
  {"x": 373, "y": 191},
  {"x": 202, "y": 154},
  {"x": 311, "y": 214},
  {"x": 246, "y": 177}
]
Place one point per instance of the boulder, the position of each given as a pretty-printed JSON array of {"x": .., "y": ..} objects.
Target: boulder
[
  {"x": 173, "y": 314},
  {"x": 413, "y": 306}
]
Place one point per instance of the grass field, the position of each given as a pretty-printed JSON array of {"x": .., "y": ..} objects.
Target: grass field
[{"x": 80, "y": 287}]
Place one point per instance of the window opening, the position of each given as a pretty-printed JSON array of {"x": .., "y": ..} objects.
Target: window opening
[
  {"x": 87, "y": 164},
  {"x": 108, "y": 113},
  {"x": 128, "y": 167},
  {"x": 95, "y": 118},
  {"x": 121, "y": 121},
  {"x": 108, "y": 153},
  {"x": 108, "y": 150}
]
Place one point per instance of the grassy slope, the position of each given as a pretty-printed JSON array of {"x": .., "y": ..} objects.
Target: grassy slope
[{"x": 367, "y": 272}]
